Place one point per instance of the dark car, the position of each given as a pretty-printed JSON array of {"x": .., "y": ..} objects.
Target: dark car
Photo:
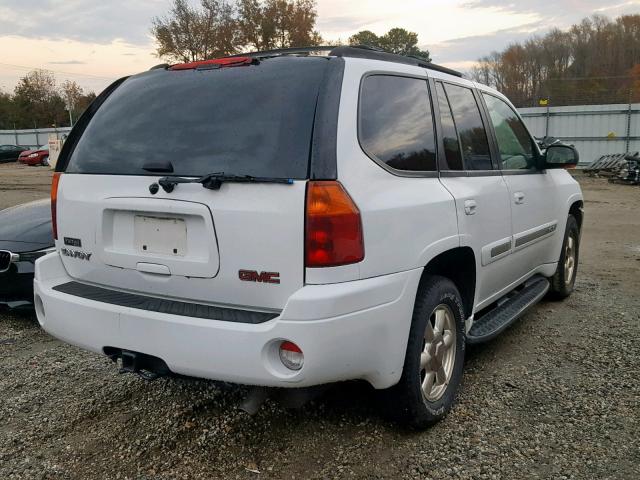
[
  {"x": 25, "y": 235},
  {"x": 38, "y": 156},
  {"x": 10, "y": 153}
]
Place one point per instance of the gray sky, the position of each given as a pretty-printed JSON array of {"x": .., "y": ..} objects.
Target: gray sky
[{"x": 95, "y": 41}]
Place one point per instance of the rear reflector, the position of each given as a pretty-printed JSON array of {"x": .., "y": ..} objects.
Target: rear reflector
[
  {"x": 54, "y": 201},
  {"x": 333, "y": 233},
  {"x": 223, "y": 62},
  {"x": 291, "y": 356}
]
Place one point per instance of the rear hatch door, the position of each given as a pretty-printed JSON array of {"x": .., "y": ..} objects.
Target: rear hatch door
[{"x": 239, "y": 245}]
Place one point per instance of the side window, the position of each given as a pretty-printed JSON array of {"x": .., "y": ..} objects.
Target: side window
[
  {"x": 396, "y": 124},
  {"x": 473, "y": 137},
  {"x": 453, "y": 156},
  {"x": 515, "y": 144}
]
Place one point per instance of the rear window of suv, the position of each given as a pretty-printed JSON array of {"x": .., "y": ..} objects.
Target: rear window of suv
[{"x": 247, "y": 120}]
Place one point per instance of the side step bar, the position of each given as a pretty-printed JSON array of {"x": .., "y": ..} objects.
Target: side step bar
[{"x": 511, "y": 308}]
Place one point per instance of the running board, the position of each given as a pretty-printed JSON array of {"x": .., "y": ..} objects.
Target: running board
[{"x": 511, "y": 308}]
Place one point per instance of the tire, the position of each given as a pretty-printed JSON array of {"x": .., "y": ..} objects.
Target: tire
[
  {"x": 406, "y": 402},
  {"x": 45, "y": 162},
  {"x": 563, "y": 281}
]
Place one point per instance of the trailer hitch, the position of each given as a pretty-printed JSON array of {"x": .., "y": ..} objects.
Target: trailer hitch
[{"x": 145, "y": 366}]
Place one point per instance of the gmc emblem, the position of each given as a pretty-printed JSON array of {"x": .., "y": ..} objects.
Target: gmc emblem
[{"x": 262, "y": 277}]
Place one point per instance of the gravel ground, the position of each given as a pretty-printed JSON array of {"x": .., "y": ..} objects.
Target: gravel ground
[{"x": 555, "y": 396}]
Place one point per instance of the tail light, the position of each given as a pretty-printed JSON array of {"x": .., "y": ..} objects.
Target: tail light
[
  {"x": 333, "y": 235},
  {"x": 54, "y": 201},
  {"x": 221, "y": 62}
]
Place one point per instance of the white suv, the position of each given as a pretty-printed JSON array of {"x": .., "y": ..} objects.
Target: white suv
[{"x": 287, "y": 220}]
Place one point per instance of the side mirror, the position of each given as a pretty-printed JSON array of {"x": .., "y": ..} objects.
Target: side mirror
[{"x": 561, "y": 156}]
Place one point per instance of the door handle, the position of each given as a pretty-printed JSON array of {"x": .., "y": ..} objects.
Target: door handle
[
  {"x": 519, "y": 196},
  {"x": 470, "y": 207}
]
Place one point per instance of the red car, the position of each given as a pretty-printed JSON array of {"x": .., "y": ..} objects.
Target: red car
[{"x": 39, "y": 156}]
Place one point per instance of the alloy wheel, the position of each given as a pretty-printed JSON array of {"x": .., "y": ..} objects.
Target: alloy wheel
[{"x": 439, "y": 352}]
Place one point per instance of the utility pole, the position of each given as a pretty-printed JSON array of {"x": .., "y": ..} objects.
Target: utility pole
[{"x": 628, "y": 125}]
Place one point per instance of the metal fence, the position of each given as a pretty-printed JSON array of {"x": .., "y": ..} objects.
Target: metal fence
[
  {"x": 595, "y": 130},
  {"x": 30, "y": 138}
]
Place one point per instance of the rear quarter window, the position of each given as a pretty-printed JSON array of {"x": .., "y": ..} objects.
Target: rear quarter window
[
  {"x": 249, "y": 120},
  {"x": 396, "y": 123}
]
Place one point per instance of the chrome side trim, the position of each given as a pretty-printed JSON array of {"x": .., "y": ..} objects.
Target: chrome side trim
[
  {"x": 496, "y": 250},
  {"x": 500, "y": 249},
  {"x": 524, "y": 239}
]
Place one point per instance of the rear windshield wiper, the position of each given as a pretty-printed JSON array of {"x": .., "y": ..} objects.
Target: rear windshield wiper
[{"x": 213, "y": 181}]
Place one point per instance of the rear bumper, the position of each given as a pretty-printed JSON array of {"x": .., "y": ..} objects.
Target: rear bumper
[{"x": 351, "y": 330}]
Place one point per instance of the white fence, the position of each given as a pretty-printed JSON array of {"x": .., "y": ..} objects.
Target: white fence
[
  {"x": 30, "y": 138},
  {"x": 595, "y": 130}
]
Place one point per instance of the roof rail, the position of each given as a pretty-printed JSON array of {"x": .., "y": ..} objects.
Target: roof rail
[
  {"x": 284, "y": 51},
  {"x": 356, "y": 51},
  {"x": 364, "y": 51}
]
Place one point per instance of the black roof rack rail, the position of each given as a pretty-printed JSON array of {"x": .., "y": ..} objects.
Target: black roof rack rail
[
  {"x": 363, "y": 51},
  {"x": 355, "y": 51},
  {"x": 283, "y": 51}
]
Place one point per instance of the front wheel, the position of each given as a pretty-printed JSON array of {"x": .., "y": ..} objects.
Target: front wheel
[
  {"x": 435, "y": 355},
  {"x": 564, "y": 279},
  {"x": 45, "y": 162}
]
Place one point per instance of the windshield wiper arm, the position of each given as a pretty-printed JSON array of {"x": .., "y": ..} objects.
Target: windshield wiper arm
[{"x": 213, "y": 181}]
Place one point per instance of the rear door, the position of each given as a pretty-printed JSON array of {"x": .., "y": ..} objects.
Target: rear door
[
  {"x": 532, "y": 192},
  {"x": 481, "y": 195},
  {"x": 239, "y": 245}
]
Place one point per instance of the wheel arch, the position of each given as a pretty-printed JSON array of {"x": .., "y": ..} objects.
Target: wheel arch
[
  {"x": 459, "y": 266},
  {"x": 577, "y": 210}
]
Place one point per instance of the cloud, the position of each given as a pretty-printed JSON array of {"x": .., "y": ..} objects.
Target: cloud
[
  {"x": 68, "y": 62},
  {"x": 343, "y": 23},
  {"x": 463, "y": 52},
  {"x": 560, "y": 13},
  {"x": 96, "y": 21},
  {"x": 468, "y": 49}
]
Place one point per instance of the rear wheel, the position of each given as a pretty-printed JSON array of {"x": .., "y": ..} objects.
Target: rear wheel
[
  {"x": 435, "y": 356},
  {"x": 45, "y": 162},
  {"x": 563, "y": 281}
]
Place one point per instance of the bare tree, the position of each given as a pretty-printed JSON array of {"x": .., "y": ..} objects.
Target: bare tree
[{"x": 71, "y": 94}]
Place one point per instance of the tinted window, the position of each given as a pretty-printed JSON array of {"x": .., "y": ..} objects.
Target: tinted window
[
  {"x": 515, "y": 144},
  {"x": 449, "y": 135},
  {"x": 396, "y": 125},
  {"x": 254, "y": 120},
  {"x": 473, "y": 137}
]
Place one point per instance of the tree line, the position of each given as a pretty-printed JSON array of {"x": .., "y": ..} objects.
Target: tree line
[
  {"x": 216, "y": 28},
  {"x": 39, "y": 102},
  {"x": 595, "y": 61},
  {"x": 211, "y": 29}
]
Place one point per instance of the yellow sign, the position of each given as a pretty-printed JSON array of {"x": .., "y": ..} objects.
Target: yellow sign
[
  {"x": 611, "y": 135},
  {"x": 544, "y": 102}
]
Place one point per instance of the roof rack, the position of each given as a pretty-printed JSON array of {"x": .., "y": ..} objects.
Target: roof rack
[{"x": 355, "y": 51}]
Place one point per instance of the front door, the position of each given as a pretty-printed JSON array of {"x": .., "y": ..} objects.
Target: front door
[{"x": 531, "y": 191}]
